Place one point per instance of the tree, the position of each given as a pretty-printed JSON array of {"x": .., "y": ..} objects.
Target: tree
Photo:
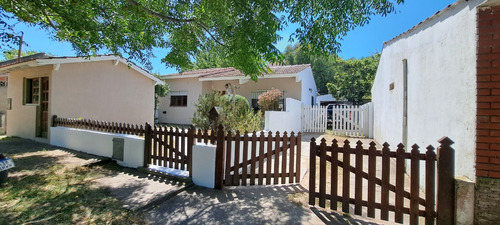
[
  {"x": 323, "y": 67},
  {"x": 355, "y": 80},
  {"x": 12, "y": 53},
  {"x": 246, "y": 30}
]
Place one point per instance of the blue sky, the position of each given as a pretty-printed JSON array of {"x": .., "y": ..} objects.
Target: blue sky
[{"x": 361, "y": 42}]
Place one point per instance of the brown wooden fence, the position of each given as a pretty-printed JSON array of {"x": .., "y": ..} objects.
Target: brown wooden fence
[
  {"x": 419, "y": 205},
  {"x": 96, "y": 125},
  {"x": 256, "y": 158},
  {"x": 172, "y": 147}
]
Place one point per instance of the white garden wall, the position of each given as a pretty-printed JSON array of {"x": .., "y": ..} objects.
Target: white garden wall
[
  {"x": 288, "y": 121},
  {"x": 99, "y": 143}
]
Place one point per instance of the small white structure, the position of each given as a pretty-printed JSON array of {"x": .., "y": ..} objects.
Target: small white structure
[{"x": 204, "y": 165}]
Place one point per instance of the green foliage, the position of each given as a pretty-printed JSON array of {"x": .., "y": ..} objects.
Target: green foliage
[
  {"x": 205, "y": 103},
  {"x": 245, "y": 30},
  {"x": 269, "y": 100},
  {"x": 160, "y": 91},
  {"x": 12, "y": 54},
  {"x": 233, "y": 115},
  {"x": 345, "y": 79},
  {"x": 355, "y": 81}
]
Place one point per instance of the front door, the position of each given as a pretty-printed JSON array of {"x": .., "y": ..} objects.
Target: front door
[{"x": 44, "y": 108}]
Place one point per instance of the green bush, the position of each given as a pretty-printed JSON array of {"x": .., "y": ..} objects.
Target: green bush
[
  {"x": 205, "y": 103},
  {"x": 235, "y": 113}
]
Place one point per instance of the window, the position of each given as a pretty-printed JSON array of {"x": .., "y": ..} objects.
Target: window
[
  {"x": 178, "y": 100},
  {"x": 3, "y": 82},
  {"x": 32, "y": 91}
]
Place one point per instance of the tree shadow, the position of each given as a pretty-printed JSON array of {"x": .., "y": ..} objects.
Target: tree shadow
[{"x": 236, "y": 205}]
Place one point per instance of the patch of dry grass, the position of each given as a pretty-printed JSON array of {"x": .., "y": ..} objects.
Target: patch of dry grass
[{"x": 40, "y": 190}]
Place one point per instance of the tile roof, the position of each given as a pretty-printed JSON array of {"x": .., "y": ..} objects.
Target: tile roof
[
  {"x": 24, "y": 59},
  {"x": 233, "y": 72}
]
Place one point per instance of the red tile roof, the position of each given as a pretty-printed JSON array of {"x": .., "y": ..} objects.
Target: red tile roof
[{"x": 233, "y": 72}]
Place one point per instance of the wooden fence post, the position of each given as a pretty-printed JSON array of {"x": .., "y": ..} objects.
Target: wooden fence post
[
  {"x": 147, "y": 145},
  {"x": 219, "y": 158},
  {"x": 312, "y": 171},
  {"x": 190, "y": 143},
  {"x": 445, "y": 182},
  {"x": 54, "y": 120}
]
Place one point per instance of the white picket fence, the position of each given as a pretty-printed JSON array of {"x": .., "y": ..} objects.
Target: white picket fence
[
  {"x": 345, "y": 120},
  {"x": 314, "y": 119}
]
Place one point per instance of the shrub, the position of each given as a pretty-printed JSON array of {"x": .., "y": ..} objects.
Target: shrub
[
  {"x": 205, "y": 103},
  {"x": 269, "y": 100},
  {"x": 235, "y": 113}
]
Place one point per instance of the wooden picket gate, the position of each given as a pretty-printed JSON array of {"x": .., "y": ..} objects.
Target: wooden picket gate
[
  {"x": 351, "y": 120},
  {"x": 419, "y": 206},
  {"x": 314, "y": 119},
  {"x": 251, "y": 159},
  {"x": 173, "y": 147}
]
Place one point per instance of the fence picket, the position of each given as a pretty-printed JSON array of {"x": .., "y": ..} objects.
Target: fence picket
[
  {"x": 284, "y": 159},
  {"x": 261, "y": 158},
  {"x": 414, "y": 182},
  {"x": 346, "y": 176},
  {"x": 398, "y": 214},
  {"x": 298, "y": 155},
  {"x": 430, "y": 184},
  {"x": 312, "y": 172},
  {"x": 228, "y": 180},
  {"x": 322, "y": 172},
  {"x": 253, "y": 156},
  {"x": 334, "y": 175},
  {"x": 276, "y": 158},
  {"x": 164, "y": 146},
  {"x": 372, "y": 165},
  {"x": 183, "y": 149},
  {"x": 291, "y": 157},
  {"x": 269, "y": 157},
  {"x": 236, "y": 179},
  {"x": 384, "y": 210},
  {"x": 245, "y": 160},
  {"x": 358, "y": 184}
]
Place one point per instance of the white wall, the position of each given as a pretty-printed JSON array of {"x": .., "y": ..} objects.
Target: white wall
[
  {"x": 99, "y": 143},
  {"x": 180, "y": 114},
  {"x": 307, "y": 79},
  {"x": 274, "y": 120},
  {"x": 441, "y": 56}
]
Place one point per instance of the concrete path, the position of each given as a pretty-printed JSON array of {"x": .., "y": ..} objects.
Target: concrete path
[
  {"x": 139, "y": 190},
  {"x": 243, "y": 205}
]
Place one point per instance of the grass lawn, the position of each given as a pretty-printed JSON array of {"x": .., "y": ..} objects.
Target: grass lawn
[{"x": 48, "y": 186}]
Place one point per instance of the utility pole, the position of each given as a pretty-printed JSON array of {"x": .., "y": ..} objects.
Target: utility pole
[{"x": 20, "y": 47}]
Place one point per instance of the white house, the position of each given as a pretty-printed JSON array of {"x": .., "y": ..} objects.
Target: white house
[
  {"x": 441, "y": 78},
  {"x": 178, "y": 107}
]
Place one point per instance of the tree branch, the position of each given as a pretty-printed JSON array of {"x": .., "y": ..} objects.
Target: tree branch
[
  {"x": 48, "y": 19},
  {"x": 210, "y": 34},
  {"x": 159, "y": 15}
]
